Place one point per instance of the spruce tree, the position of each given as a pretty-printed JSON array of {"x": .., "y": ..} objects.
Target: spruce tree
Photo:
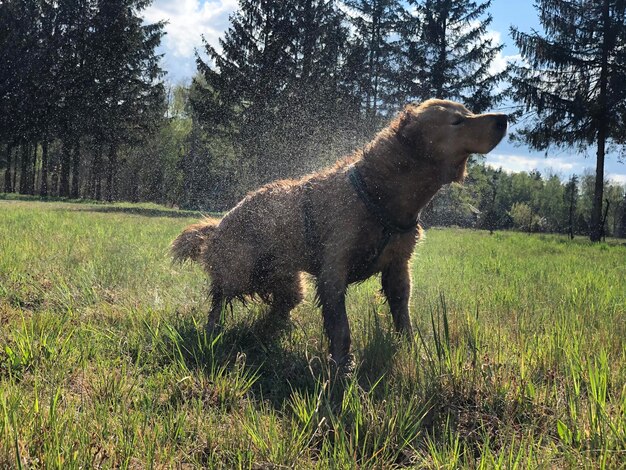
[
  {"x": 621, "y": 228},
  {"x": 74, "y": 84},
  {"x": 571, "y": 200},
  {"x": 276, "y": 85},
  {"x": 571, "y": 82},
  {"x": 20, "y": 86},
  {"x": 375, "y": 52},
  {"x": 448, "y": 54},
  {"x": 128, "y": 100}
]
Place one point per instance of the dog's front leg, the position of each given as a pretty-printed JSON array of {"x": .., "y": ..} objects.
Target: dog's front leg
[
  {"x": 331, "y": 289},
  {"x": 396, "y": 281}
]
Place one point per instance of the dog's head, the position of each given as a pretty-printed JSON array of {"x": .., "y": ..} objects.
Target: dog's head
[{"x": 448, "y": 133}]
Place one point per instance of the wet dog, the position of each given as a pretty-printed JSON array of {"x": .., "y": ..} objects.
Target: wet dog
[{"x": 343, "y": 224}]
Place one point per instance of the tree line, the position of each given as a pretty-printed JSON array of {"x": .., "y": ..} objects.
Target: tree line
[
  {"x": 294, "y": 85},
  {"x": 79, "y": 83},
  {"x": 492, "y": 199}
]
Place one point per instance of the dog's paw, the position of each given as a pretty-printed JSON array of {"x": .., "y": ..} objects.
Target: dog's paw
[{"x": 343, "y": 368}]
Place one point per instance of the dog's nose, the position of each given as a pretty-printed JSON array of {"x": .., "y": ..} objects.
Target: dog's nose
[{"x": 502, "y": 121}]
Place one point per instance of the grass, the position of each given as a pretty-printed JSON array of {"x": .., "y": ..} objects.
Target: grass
[{"x": 519, "y": 358}]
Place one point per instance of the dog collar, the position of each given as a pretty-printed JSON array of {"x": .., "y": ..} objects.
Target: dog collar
[{"x": 382, "y": 216}]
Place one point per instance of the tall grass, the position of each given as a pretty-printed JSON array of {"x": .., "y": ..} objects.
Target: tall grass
[{"x": 518, "y": 360}]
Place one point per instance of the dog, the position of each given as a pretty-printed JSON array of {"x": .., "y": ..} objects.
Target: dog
[{"x": 343, "y": 224}]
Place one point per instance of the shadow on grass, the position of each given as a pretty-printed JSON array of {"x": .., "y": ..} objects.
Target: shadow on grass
[
  {"x": 92, "y": 205},
  {"x": 280, "y": 369},
  {"x": 438, "y": 405},
  {"x": 10, "y": 197},
  {"x": 143, "y": 211}
]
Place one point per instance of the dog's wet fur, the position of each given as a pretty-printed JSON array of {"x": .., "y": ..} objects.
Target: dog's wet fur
[{"x": 321, "y": 226}]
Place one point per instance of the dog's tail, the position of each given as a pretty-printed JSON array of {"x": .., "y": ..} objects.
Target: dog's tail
[{"x": 192, "y": 242}]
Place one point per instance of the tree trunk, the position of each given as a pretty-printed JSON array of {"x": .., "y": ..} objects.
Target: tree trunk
[
  {"x": 24, "y": 167},
  {"x": 370, "y": 62},
  {"x": 76, "y": 170},
  {"x": 14, "y": 184},
  {"x": 595, "y": 229},
  {"x": 442, "y": 57},
  {"x": 8, "y": 187},
  {"x": 64, "y": 181},
  {"x": 604, "y": 217},
  {"x": 621, "y": 231},
  {"x": 97, "y": 177},
  {"x": 54, "y": 180},
  {"x": 571, "y": 215},
  {"x": 43, "y": 187},
  {"x": 376, "y": 64},
  {"x": 111, "y": 173},
  {"x": 32, "y": 180},
  {"x": 94, "y": 174}
]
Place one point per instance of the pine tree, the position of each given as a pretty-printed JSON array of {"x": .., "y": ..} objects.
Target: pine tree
[
  {"x": 128, "y": 99},
  {"x": 20, "y": 87},
  {"x": 47, "y": 58},
  {"x": 571, "y": 82},
  {"x": 276, "y": 86},
  {"x": 375, "y": 52},
  {"x": 621, "y": 228},
  {"x": 74, "y": 87},
  {"x": 71, "y": 70},
  {"x": 448, "y": 53},
  {"x": 571, "y": 200}
]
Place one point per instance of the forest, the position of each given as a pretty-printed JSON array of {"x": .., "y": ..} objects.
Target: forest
[{"x": 86, "y": 111}]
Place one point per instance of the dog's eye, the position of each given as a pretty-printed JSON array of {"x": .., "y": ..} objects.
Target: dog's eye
[{"x": 458, "y": 120}]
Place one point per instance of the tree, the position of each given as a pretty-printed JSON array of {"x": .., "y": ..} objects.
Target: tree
[
  {"x": 449, "y": 54},
  {"x": 72, "y": 71},
  {"x": 613, "y": 196},
  {"x": 74, "y": 87},
  {"x": 20, "y": 98},
  {"x": 129, "y": 99},
  {"x": 570, "y": 81},
  {"x": 571, "y": 198},
  {"x": 551, "y": 205},
  {"x": 523, "y": 217},
  {"x": 276, "y": 88},
  {"x": 621, "y": 231},
  {"x": 375, "y": 53}
]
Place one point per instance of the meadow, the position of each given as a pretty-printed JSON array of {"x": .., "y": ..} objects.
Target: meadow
[{"x": 518, "y": 359}]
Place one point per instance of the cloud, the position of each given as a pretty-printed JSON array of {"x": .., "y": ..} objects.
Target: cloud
[
  {"x": 500, "y": 61},
  {"x": 564, "y": 167},
  {"x": 617, "y": 178},
  {"x": 188, "y": 21},
  {"x": 516, "y": 163}
]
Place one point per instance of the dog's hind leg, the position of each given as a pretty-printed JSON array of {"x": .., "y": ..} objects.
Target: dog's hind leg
[
  {"x": 286, "y": 294},
  {"x": 396, "y": 281},
  {"x": 217, "y": 311}
]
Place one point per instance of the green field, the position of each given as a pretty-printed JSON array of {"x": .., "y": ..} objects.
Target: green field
[{"x": 519, "y": 358}]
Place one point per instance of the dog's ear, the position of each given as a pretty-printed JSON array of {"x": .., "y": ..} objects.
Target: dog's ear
[{"x": 408, "y": 129}]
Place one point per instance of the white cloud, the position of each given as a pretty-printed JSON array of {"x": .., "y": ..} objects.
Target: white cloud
[
  {"x": 188, "y": 21},
  {"x": 564, "y": 167},
  {"x": 500, "y": 61},
  {"x": 516, "y": 163},
  {"x": 617, "y": 178}
]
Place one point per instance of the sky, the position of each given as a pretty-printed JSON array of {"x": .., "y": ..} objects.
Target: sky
[{"x": 189, "y": 20}]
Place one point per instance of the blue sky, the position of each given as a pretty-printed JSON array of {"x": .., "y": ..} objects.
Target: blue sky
[{"x": 188, "y": 20}]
